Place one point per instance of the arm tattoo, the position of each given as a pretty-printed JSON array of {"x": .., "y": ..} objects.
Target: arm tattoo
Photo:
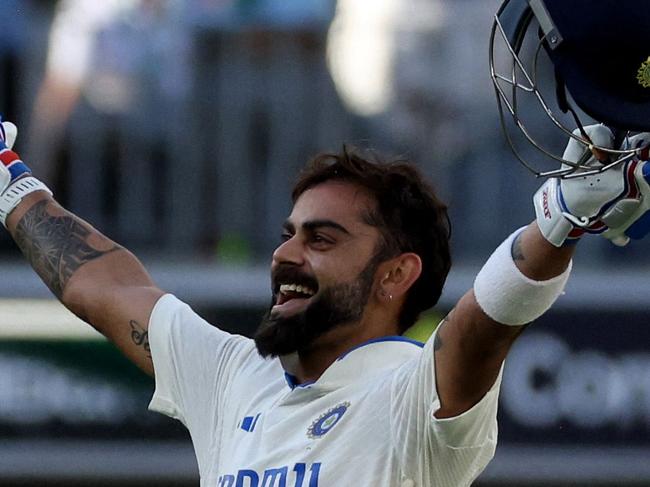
[
  {"x": 517, "y": 251},
  {"x": 140, "y": 336},
  {"x": 55, "y": 246},
  {"x": 437, "y": 341}
]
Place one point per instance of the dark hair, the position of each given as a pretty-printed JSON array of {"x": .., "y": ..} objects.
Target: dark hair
[{"x": 409, "y": 216}]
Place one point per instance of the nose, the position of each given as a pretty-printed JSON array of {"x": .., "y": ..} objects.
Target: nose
[{"x": 289, "y": 252}]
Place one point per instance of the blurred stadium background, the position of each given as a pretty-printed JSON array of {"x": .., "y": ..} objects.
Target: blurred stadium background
[{"x": 177, "y": 127}]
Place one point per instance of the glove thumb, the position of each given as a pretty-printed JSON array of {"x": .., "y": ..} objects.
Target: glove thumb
[
  {"x": 9, "y": 134},
  {"x": 599, "y": 134}
]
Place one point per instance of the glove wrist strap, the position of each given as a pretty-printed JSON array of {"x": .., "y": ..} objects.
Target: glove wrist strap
[
  {"x": 551, "y": 219},
  {"x": 15, "y": 193}
]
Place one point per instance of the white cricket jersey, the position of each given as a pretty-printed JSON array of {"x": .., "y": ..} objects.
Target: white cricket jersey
[{"x": 366, "y": 422}]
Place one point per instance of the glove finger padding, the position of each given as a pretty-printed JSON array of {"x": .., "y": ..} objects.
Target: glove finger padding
[
  {"x": 615, "y": 202},
  {"x": 585, "y": 197},
  {"x": 9, "y": 134},
  {"x": 11, "y": 167},
  {"x": 629, "y": 217},
  {"x": 15, "y": 179},
  {"x": 599, "y": 135},
  {"x": 567, "y": 208}
]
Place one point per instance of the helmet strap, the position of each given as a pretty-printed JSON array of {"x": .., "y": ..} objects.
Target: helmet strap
[{"x": 565, "y": 106}]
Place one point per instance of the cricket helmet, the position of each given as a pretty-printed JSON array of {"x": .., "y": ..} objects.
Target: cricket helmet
[{"x": 599, "y": 53}]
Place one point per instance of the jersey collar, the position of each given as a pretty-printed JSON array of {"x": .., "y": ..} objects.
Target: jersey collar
[{"x": 362, "y": 362}]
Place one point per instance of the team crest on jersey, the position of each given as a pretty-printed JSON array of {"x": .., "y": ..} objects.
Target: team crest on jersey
[
  {"x": 644, "y": 74},
  {"x": 326, "y": 421}
]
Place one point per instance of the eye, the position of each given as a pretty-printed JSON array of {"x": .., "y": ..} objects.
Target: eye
[
  {"x": 321, "y": 240},
  {"x": 285, "y": 236}
]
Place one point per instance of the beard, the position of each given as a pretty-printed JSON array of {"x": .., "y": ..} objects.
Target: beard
[{"x": 330, "y": 308}]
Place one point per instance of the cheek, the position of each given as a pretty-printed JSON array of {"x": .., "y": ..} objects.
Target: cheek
[{"x": 337, "y": 269}]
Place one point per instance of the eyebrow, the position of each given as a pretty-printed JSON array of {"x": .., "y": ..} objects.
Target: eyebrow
[{"x": 312, "y": 225}]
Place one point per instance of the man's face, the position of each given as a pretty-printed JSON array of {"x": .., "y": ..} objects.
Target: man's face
[{"x": 323, "y": 273}]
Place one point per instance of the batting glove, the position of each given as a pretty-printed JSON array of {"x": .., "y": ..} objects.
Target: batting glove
[
  {"x": 15, "y": 177},
  {"x": 610, "y": 202},
  {"x": 629, "y": 217}
]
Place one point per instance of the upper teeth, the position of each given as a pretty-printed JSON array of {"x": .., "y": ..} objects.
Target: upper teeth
[{"x": 297, "y": 288}]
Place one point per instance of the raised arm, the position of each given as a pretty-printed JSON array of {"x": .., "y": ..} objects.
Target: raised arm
[
  {"x": 101, "y": 282},
  {"x": 470, "y": 346},
  {"x": 525, "y": 275}
]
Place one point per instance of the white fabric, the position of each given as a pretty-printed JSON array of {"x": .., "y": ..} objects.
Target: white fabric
[
  {"x": 509, "y": 297},
  {"x": 249, "y": 426}
]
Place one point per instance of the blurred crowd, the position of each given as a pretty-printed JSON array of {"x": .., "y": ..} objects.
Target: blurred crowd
[{"x": 177, "y": 126}]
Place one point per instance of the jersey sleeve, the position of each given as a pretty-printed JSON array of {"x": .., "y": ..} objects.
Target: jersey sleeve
[
  {"x": 193, "y": 361},
  {"x": 449, "y": 451}
]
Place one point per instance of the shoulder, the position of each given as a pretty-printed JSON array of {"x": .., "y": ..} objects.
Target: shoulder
[
  {"x": 174, "y": 326},
  {"x": 172, "y": 315}
]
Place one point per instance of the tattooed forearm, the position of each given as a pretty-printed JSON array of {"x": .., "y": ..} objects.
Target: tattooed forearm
[
  {"x": 56, "y": 246},
  {"x": 517, "y": 251},
  {"x": 140, "y": 336}
]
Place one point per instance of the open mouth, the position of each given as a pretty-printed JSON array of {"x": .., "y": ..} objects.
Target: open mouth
[
  {"x": 287, "y": 292},
  {"x": 292, "y": 297}
]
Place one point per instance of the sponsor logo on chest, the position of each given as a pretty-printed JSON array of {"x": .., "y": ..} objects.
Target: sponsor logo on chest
[{"x": 301, "y": 475}]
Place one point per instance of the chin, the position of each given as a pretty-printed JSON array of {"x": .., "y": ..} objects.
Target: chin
[
  {"x": 278, "y": 335},
  {"x": 289, "y": 327}
]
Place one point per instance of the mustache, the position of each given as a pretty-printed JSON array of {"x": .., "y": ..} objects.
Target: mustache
[{"x": 286, "y": 273}]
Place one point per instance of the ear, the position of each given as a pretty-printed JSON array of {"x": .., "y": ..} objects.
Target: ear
[{"x": 397, "y": 275}]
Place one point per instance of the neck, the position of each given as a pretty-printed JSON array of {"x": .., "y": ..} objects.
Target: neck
[{"x": 309, "y": 365}]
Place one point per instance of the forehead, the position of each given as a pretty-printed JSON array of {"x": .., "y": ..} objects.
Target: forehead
[{"x": 335, "y": 200}]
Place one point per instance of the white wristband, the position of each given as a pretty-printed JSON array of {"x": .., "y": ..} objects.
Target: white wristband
[
  {"x": 509, "y": 297},
  {"x": 16, "y": 191}
]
